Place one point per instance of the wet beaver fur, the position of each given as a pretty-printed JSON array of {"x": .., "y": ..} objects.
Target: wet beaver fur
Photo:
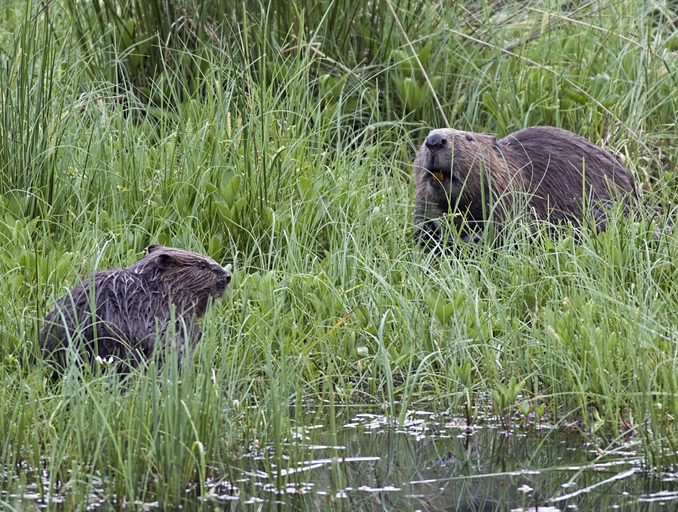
[
  {"x": 536, "y": 170},
  {"x": 158, "y": 298}
]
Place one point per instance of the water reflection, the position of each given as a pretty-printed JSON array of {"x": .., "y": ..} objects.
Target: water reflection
[
  {"x": 431, "y": 463},
  {"x": 434, "y": 463}
]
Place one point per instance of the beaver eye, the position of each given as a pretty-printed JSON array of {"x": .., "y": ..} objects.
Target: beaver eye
[
  {"x": 469, "y": 138},
  {"x": 203, "y": 266}
]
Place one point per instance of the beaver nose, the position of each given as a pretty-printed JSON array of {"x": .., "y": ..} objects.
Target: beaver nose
[
  {"x": 435, "y": 140},
  {"x": 227, "y": 277}
]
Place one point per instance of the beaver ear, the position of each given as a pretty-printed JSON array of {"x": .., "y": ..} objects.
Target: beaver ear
[
  {"x": 153, "y": 247},
  {"x": 165, "y": 261}
]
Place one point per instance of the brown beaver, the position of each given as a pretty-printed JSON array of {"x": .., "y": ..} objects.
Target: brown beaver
[
  {"x": 158, "y": 298},
  {"x": 536, "y": 170}
]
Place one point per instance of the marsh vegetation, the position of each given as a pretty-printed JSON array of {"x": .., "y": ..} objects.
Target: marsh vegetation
[{"x": 277, "y": 137}]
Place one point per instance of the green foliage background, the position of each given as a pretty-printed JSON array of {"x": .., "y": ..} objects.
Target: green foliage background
[{"x": 277, "y": 137}]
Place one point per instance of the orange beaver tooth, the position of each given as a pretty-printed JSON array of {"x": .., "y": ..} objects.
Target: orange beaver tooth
[{"x": 437, "y": 176}]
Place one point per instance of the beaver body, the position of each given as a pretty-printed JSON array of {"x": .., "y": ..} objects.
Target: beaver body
[
  {"x": 121, "y": 313},
  {"x": 551, "y": 174}
]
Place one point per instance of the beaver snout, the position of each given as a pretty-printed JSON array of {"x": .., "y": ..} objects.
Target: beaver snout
[
  {"x": 222, "y": 282},
  {"x": 435, "y": 141},
  {"x": 436, "y": 156}
]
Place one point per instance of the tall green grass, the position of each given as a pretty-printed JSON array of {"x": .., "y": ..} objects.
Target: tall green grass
[{"x": 277, "y": 138}]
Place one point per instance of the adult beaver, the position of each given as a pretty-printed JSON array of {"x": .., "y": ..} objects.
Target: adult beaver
[
  {"x": 551, "y": 174},
  {"x": 122, "y": 313}
]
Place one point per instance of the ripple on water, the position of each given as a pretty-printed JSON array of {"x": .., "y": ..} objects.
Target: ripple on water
[{"x": 429, "y": 462}]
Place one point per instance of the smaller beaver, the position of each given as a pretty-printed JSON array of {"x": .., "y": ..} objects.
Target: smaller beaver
[
  {"x": 551, "y": 174},
  {"x": 157, "y": 299}
]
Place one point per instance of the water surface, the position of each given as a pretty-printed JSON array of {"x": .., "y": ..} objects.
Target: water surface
[{"x": 430, "y": 463}]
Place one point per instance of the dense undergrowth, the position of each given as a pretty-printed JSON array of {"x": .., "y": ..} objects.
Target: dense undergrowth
[{"x": 277, "y": 137}]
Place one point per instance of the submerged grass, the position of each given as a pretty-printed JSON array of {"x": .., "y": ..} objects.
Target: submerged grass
[{"x": 286, "y": 153}]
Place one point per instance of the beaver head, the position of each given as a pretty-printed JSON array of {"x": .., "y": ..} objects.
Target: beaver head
[
  {"x": 454, "y": 166},
  {"x": 189, "y": 279}
]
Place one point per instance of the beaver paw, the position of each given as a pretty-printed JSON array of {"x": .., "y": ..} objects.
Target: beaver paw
[{"x": 429, "y": 234}]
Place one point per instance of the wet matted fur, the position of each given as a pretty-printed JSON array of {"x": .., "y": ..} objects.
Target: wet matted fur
[{"x": 122, "y": 313}]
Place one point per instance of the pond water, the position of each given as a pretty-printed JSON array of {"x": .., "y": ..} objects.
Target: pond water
[
  {"x": 434, "y": 462},
  {"x": 431, "y": 463}
]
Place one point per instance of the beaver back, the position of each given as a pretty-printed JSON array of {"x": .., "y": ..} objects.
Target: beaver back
[{"x": 565, "y": 174}]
